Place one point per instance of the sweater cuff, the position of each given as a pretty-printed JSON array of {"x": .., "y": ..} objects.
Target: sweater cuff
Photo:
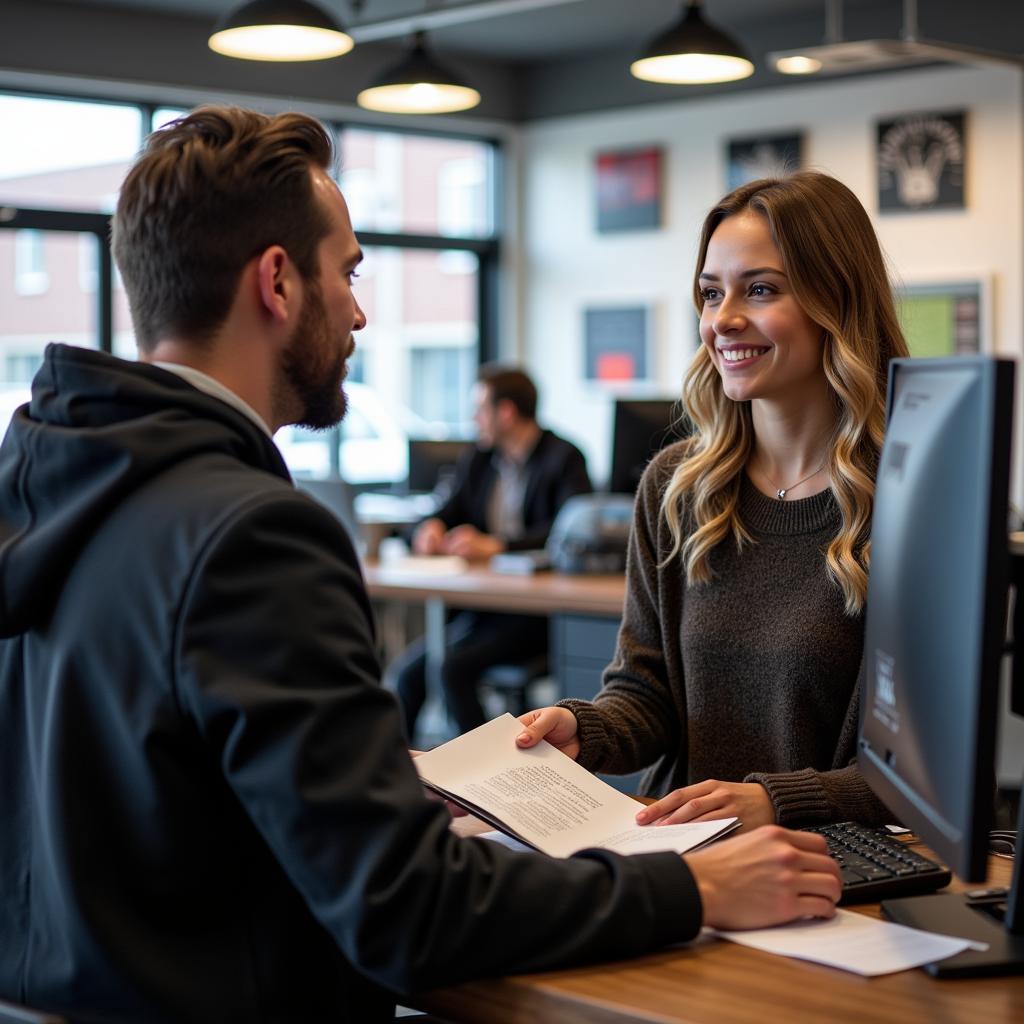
[
  {"x": 798, "y": 798},
  {"x": 590, "y": 731}
]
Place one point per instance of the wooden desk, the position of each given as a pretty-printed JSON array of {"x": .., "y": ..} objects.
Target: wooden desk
[
  {"x": 545, "y": 593},
  {"x": 721, "y": 983},
  {"x": 584, "y": 610}
]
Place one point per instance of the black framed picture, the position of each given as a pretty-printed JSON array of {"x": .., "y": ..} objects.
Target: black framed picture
[
  {"x": 629, "y": 186},
  {"x": 766, "y": 156},
  {"x": 615, "y": 344},
  {"x": 921, "y": 162}
]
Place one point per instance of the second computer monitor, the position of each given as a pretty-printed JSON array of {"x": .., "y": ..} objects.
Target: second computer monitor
[
  {"x": 642, "y": 427},
  {"x": 432, "y": 463}
]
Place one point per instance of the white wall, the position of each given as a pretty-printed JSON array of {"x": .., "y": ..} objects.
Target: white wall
[{"x": 567, "y": 266}]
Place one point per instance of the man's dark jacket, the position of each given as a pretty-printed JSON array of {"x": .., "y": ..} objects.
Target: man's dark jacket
[
  {"x": 208, "y": 810},
  {"x": 555, "y": 472}
]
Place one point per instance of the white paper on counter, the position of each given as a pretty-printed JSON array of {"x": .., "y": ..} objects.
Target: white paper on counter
[{"x": 853, "y": 942}]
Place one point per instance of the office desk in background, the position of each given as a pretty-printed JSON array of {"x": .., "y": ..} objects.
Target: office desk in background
[
  {"x": 585, "y": 612},
  {"x": 722, "y": 983}
]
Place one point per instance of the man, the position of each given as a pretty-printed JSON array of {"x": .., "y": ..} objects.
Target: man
[
  {"x": 505, "y": 497},
  {"x": 209, "y": 810}
]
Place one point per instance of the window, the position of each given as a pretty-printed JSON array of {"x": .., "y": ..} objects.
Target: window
[
  {"x": 446, "y": 375},
  {"x": 462, "y": 197},
  {"x": 164, "y": 115},
  {"x": 88, "y": 263},
  {"x": 30, "y": 276},
  {"x": 418, "y": 184},
  {"x": 423, "y": 207},
  {"x": 78, "y": 155}
]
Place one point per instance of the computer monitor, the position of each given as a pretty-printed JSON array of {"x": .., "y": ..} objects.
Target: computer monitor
[
  {"x": 935, "y": 632},
  {"x": 642, "y": 427},
  {"x": 336, "y": 496},
  {"x": 433, "y": 462}
]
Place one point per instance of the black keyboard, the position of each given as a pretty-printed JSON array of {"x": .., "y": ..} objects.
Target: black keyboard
[{"x": 875, "y": 866}]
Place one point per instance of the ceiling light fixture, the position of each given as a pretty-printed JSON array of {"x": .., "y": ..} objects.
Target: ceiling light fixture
[
  {"x": 417, "y": 84},
  {"x": 693, "y": 52},
  {"x": 798, "y": 64},
  {"x": 834, "y": 56},
  {"x": 280, "y": 30}
]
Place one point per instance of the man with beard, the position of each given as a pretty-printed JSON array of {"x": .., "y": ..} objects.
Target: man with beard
[
  {"x": 209, "y": 810},
  {"x": 505, "y": 496}
]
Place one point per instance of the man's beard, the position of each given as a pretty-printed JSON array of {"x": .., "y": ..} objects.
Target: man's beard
[{"x": 313, "y": 366}]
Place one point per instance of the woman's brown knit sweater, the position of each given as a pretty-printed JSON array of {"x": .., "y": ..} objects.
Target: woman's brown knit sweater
[{"x": 750, "y": 677}]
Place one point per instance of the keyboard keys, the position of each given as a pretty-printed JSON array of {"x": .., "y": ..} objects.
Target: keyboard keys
[{"x": 874, "y": 866}]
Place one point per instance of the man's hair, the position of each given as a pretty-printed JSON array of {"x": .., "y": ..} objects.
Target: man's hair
[
  {"x": 209, "y": 192},
  {"x": 506, "y": 382}
]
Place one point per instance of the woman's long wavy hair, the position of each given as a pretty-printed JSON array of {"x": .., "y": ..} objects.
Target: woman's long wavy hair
[{"x": 838, "y": 275}]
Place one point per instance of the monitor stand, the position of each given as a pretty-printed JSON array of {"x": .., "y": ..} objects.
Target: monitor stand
[{"x": 967, "y": 916}]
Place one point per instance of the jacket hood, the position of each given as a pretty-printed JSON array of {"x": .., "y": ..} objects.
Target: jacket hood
[{"x": 96, "y": 429}]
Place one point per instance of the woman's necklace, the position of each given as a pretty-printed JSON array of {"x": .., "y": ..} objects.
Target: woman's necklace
[{"x": 781, "y": 492}]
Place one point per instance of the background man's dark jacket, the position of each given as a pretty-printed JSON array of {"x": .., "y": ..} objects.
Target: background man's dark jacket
[
  {"x": 208, "y": 810},
  {"x": 555, "y": 470}
]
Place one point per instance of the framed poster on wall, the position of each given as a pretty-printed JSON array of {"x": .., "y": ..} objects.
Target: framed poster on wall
[
  {"x": 616, "y": 341},
  {"x": 766, "y": 156},
  {"x": 629, "y": 184},
  {"x": 920, "y": 160},
  {"x": 946, "y": 318}
]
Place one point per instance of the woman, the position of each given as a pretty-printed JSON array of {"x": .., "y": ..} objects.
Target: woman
[{"x": 735, "y": 676}]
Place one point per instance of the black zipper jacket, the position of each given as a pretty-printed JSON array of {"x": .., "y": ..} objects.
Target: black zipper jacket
[{"x": 208, "y": 811}]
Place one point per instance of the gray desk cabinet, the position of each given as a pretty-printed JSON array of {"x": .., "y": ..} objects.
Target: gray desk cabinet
[{"x": 581, "y": 648}]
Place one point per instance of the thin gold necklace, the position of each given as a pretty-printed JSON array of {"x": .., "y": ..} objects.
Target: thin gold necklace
[{"x": 781, "y": 492}]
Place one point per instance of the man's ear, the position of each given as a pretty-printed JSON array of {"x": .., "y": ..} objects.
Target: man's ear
[
  {"x": 277, "y": 281},
  {"x": 507, "y": 411}
]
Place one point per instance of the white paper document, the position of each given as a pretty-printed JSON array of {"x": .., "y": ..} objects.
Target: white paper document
[
  {"x": 545, "y": 799},
  {"x": 429, "y": 565},
  {"x": 853, "y": 942}
]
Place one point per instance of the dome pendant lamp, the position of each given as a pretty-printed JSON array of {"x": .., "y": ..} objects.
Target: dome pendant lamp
[
  {"x": 417, "y": 84},
  {"x": 693, "y": 52},
  {"x": 280, "y": 30}
]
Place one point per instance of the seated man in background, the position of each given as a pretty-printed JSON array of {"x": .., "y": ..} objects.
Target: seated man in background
[
  {"x": 209, "y": 810},
  {"x": 505, "y": 497}
]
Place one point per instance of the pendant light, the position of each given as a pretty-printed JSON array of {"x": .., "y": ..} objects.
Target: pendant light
[
  {"x": 693, "y": 52},
  {"x": 417, "y": 84},
  {"x": 280, "y": 30}
]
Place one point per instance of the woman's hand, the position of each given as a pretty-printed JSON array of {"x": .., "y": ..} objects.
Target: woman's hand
[
  {"x": 709, "y": 800},
  {"x": 556, "y": 725}
]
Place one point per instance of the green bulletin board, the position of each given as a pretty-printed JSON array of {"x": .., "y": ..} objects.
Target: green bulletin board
[{"x": 941, "y": 319}]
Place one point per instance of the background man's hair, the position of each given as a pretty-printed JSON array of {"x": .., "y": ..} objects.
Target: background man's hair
[
  {"x": 508, "y": 382},
  {"x": 209, "y": 192}
]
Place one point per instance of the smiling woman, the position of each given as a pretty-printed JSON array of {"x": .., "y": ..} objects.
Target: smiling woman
[{"x": 735, "y": 676}]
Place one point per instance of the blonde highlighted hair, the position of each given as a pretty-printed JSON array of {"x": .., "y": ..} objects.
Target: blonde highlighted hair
[{"x": 835, "y": 267}]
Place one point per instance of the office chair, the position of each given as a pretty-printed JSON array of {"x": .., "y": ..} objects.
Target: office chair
[
  {"x": 514, "y": 681},
  {"x": 10, "y": 1013}
]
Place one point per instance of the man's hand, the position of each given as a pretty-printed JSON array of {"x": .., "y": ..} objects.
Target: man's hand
[
  {"x": 709, "y": 800},
  {"x": 468, "y": 542},
  {"x": 764, "y": 878},
  {"x": 428, "y": 538},
  {"x": 556, "y": 725}
]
